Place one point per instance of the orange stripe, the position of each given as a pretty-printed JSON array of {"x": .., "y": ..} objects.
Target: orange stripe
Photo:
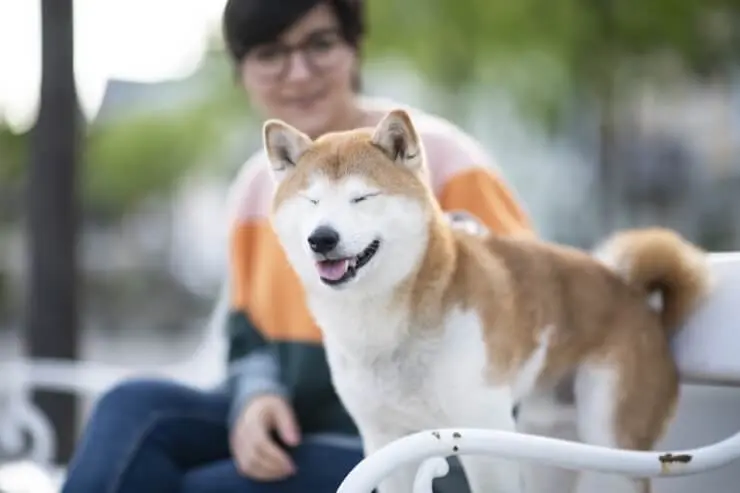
[
  {"x": 266, "y": 287},
  {"x": 480, "y": 192}
]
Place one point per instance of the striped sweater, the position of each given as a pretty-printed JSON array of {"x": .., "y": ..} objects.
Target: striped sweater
[{"x": 274, "y": 345}]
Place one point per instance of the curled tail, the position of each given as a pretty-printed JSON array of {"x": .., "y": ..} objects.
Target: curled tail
[{"x": 660, "y": 260}]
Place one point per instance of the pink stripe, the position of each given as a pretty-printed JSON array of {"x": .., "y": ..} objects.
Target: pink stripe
[
  {"x": 251, "y": 193},
  {"x": 449, "y": 152}
]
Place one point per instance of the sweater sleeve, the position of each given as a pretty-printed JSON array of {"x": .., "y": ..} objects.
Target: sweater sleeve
[
  {"x": 465, "y": 179},
  {"x": 482, "y": 193},
  {"x": 253, "y": 367}
]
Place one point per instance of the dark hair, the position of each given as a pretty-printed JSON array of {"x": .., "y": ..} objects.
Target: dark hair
[{"x": 249, "y": 23}]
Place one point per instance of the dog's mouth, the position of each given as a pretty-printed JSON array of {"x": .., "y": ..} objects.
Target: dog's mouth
[{"x": 338, "y": 271}]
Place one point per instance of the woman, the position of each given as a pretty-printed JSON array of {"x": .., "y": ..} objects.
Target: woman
[{"x": 277, "y": 425}]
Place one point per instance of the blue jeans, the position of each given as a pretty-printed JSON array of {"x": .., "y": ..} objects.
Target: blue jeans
[{"x": 161, "y": 437}]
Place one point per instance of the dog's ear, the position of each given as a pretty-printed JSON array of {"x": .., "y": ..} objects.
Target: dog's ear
[
  {"x": 284, "y": 145},
  {"x": 396, "y": 136}
]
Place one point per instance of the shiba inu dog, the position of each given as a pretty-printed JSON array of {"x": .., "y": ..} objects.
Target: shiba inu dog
[{"x": 428, "y": 325}]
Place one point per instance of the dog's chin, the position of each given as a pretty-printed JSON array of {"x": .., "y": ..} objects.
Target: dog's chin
[{"x": 339, "y": 273}]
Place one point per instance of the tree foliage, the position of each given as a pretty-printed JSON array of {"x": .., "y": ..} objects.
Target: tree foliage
[
  {"x": 545, "y": 47},
  {"x": 437, "y": 34},
  {"x": 127, "y": 158}
]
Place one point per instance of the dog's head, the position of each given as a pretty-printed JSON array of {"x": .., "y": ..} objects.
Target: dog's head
[{"x": 351, "y": 209}]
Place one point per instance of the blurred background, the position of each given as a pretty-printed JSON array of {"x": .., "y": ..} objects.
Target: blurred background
[{"x": 601, "y": 113}]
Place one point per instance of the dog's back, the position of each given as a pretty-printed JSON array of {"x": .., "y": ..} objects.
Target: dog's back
[{"x": 576, "y": 338}]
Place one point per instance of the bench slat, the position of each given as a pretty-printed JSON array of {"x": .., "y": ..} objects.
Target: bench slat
[{"x": 707, "y": 348}]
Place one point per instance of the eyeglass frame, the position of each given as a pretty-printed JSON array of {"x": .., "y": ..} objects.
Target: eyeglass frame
[{"x": 286, "y": 52}]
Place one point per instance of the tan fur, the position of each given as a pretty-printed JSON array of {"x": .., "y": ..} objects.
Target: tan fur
[
  {"x": 520, "y": 285},
  {"x": 658, "y": 259},
  {"x": 344, "y": 154}
]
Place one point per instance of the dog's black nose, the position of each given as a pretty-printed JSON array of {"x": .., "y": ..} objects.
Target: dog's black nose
[{"x": 323, "y": 239}]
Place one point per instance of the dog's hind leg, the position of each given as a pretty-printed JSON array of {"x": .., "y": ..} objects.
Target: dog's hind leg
[{"x": 624, "y": 404}]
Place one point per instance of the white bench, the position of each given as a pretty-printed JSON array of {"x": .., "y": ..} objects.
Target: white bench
[
  {"x": 19, "y": 416},
  {"x": 708, "y": 352}
]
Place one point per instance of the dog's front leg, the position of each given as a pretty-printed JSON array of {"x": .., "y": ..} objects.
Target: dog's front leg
[{"x": 401, "y": 480}]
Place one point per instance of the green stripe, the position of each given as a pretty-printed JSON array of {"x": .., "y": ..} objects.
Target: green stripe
[
  {"x": 243, "y": 335},
  {"x": 305, "y": 373}
]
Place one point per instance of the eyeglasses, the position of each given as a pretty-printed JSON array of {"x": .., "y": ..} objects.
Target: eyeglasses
[{"x": 320, "y": 51}]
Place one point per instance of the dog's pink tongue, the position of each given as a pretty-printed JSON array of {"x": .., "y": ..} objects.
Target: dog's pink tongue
[{"x": 333, "y": 270}]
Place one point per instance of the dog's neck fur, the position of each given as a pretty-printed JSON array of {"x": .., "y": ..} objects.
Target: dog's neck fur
[{"x": 429, "y": 285}]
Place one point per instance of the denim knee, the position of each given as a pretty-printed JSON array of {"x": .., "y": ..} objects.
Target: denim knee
[
  {"x": 136, "y": 400},
  {"x": 118, "y": 445}
]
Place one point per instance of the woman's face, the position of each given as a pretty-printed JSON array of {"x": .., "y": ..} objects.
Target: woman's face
[{"x": 305, "y": 77}]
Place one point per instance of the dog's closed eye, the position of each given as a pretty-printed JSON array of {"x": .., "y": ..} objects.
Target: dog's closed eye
[{"x": 361, "y": 198}]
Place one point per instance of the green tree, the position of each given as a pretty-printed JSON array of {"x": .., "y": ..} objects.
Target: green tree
[
  {"x": 135, "y": 155},
  {"x": 545, "y": 51}
]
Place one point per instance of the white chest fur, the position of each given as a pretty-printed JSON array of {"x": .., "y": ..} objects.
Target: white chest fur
[{"x": 405, "y": 379}]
